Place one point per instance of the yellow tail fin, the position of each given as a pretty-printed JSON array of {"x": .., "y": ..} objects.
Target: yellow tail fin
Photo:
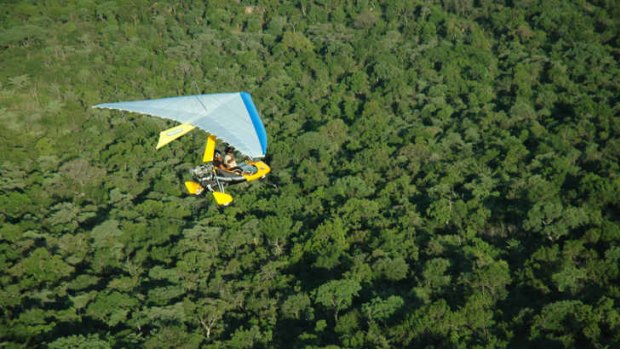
[{"x": 171, "y": 134}]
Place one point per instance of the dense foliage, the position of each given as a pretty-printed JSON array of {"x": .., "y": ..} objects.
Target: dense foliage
[{"x": 445, "y": 174}]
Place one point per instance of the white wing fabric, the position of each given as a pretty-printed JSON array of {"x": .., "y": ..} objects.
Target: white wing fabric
[{"x": 231, "y": 117}]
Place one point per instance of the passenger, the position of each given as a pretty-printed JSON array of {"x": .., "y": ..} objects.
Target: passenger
[{"x": 217, "y": 159}]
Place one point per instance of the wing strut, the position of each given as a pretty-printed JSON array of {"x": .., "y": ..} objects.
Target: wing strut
[{"x": 209, "y": 149}]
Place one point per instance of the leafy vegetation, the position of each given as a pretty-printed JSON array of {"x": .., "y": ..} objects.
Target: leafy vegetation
[{"x": 446, "y": 174}]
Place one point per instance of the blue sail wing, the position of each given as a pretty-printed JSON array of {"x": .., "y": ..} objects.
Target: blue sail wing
[{"x": 232, "y": 117}]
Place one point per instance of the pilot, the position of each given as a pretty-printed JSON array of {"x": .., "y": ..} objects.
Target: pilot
[{"x": 229, "y": 158}]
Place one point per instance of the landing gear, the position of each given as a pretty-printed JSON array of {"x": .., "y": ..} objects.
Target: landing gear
[{"x": 206, "y": 178}]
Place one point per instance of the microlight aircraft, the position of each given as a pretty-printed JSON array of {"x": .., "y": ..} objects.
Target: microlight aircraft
[{"x": 229, "y": 117}]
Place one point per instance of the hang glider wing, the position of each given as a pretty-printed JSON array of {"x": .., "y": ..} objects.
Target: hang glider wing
[{"x": 231, "y": 117}]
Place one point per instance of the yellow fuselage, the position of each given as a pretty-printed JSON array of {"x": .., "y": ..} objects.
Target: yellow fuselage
[{"x": 262, "y": 170}]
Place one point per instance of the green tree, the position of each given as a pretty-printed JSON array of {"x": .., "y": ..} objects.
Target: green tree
[
  {"x": 337, "y": 295},
  {"x": 328, "y": 243},
  {"x": 80, "y": 342},
  {"x": 379, "y": 309},
  {"x": 112, "y": 308}
]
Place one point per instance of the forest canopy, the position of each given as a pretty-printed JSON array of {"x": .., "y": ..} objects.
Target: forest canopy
[{"x": 444, "y": 174}]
